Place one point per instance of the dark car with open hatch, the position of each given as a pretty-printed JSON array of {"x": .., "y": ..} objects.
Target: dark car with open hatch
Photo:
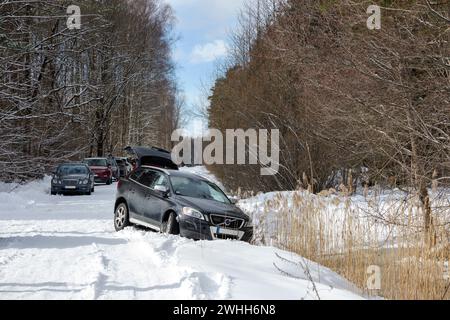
[
  {"x": 73, "y": 178},
  {"x": 181, "y": 203}
]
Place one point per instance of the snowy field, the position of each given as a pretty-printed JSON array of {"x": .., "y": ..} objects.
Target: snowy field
[{"x": 66, "y": 248}]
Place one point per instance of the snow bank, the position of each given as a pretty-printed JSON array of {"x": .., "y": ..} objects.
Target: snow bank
[
  {"x": 18, "y": 198},
  {"x": 376, "y": 218},
  {"x": 265, "y": 272}
]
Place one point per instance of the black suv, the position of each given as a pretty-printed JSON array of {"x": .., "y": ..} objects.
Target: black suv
[{"x": 176, "y": 202}]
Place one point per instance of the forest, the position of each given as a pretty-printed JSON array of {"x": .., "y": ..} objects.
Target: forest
[
  {"x": 68, "y": 93},
  {"x": 376, "y": 102}
]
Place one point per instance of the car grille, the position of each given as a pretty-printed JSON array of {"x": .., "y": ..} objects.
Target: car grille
[
  {"x": 70, "y": 183},
  {"x": 227, "y": 221}
]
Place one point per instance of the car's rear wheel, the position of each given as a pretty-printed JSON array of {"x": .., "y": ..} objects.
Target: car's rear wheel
[
  {"x": 171, "y": 226},
  {"x": 121, "y": 217}
]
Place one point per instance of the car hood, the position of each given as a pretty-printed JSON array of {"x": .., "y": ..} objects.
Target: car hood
[
  {"x": 99, "y": 168},
  {"x": 74, "y": 176},
  {"x": 211, "y": 206}
]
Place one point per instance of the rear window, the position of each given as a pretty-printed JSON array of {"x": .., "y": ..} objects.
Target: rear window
[{"x": 96, "y": 162}]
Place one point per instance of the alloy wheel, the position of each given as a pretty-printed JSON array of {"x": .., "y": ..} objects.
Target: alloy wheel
[{"x": 120, "y": 217}]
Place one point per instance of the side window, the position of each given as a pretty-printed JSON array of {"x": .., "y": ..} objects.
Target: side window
[
  {"x": 152, "y": 178},
  {"x": 148, "y": 178},
  {"x": 136, "y": 175},
  {"x": 160, "y": 180}
]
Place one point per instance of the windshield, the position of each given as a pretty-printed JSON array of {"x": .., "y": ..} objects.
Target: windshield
[
  {"x": 196, "y": 188},
  {"x": 72, "y": 170},
  {"x": 96, "y": 162}
]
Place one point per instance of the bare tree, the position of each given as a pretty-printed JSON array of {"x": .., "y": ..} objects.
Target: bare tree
[{"x": 65, "y": 94}]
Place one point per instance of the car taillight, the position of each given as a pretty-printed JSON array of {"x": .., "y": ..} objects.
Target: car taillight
[{"x": 119, "y": 184}]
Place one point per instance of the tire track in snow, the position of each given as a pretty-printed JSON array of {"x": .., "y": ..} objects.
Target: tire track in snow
[
  {"x": 152, "y": 258},
  {"x": 102, "y": 278},
  {"x": 66, "y": 248}
]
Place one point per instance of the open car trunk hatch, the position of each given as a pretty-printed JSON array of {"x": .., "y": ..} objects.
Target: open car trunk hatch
[{"x": 152, "y": 156}]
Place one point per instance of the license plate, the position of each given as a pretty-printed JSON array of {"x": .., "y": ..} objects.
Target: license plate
[
  {"x": 228, "y": 232},
  {"x": 71, "y": 187}
]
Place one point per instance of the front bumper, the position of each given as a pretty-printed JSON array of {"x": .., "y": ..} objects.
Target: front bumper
[
  {"x": 101, "y": 179},
  {"x": 202, "y": 230},
  {"x": 76, "y": 189}
]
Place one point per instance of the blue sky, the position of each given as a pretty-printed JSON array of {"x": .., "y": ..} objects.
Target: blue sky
[{"x": 203, "y": 28}]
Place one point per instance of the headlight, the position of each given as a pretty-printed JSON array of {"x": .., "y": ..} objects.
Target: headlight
[
  {"x": 85, "y": 181},
  {"x": 193, "y": 213},
  {"x": 56, "y": 181}
]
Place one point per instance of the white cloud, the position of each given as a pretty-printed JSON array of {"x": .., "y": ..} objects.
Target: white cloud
[
  {"x": 209, "y": 52},
  {"x": 177, "y": 54}
]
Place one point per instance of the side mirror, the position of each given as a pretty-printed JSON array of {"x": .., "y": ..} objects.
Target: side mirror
[
  {"x": 163, "y": 189},
  {"x": 234, "y": 199}
]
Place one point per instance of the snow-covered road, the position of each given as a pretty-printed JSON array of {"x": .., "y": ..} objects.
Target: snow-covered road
[{"x": 66, "y": 248}]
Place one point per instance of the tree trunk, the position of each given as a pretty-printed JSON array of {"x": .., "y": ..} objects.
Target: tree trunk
[
  {"x": 430, "y": 234},
  {"x": 418, "y": 180}
]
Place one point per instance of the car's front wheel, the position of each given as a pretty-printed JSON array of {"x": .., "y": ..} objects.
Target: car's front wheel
[
  {"x": 121, "y": 217},
  {"x": 170, "y": 226}
]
